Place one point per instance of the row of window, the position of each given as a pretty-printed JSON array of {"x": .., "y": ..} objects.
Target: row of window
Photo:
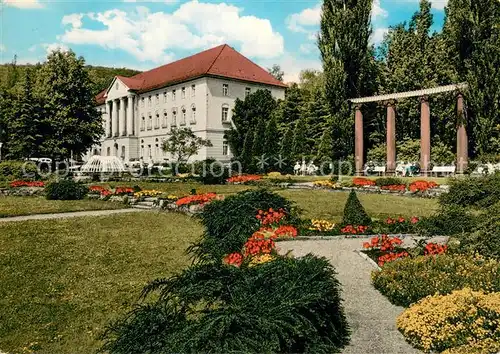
[
  {"x": 148, "y": 153},
  {"x": 225, "y": 92}
]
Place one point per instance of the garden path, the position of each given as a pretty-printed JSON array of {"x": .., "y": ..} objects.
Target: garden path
[
  {"x": 371, "y": 316},
  {"x": 70, "y": 215}
]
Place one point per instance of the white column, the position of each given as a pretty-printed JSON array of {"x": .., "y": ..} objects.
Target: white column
[
  {"x": 130, "y": 115},
  {"x": 115, "y": 118},
  {"x": 108, "y": 119},
  {"x": 123, "y": 128}
]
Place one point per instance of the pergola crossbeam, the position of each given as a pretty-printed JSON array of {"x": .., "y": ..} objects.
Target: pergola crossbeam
[{"x": 408, "y": 94}]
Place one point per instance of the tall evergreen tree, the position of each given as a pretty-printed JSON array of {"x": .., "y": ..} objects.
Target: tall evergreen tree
[
  {"x": 347, "y": 62},
  {"x": 325, "y": 146},
  {"x": 258, "y": 149},
  {"x": 286, "y": 150},
  {"x": 299, "y": 146},
  {"x": 246, "y": 156},
  {"x": 271, "y": 144},
  {"x": 293, "y": 105}
]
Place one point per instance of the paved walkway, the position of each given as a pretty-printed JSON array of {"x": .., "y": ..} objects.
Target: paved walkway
[
  {"x": 71, "y": 215},
  {"x": 371, "y": 316}
]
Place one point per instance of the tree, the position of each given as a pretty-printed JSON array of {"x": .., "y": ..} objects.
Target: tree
[
  {"x": 271, "y": 144},
  {"x": 348, "y": 63},
  {"x": 276, "y": 72},
  {"x": 286, "y": 148},
  {"x": 183, "y": 143},
  {"x": 246, "y": 156},
  {"x": 71, "y": 122},
  {"x": 258, "y": 143},
  {"x": 293, "y": 105},
  {"x": 258, "y": 105},
  {"x": 354, "y": 213},
  {"x": 299, "y": 139},
  {"x": 325, "y": 147}
]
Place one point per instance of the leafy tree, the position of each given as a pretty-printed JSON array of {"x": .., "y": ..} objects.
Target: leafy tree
[
  {"x": 325, "y": 146},
  {"x": 276, "y": 72},
  {"x": 71, "y": 122},
  {"x": 246, "y": 156},
  {"x": 354, "y": 213},
  {"x": 258, "y": 143},
  {"x": 258, "y": 105},
  {"x": 286, "y": 149},
  {"x": 299, "y": 139},
  {"x": 271, "y": 145},
  {"x": 293, "y": 105},
  {"x": 183, "y": 143}
]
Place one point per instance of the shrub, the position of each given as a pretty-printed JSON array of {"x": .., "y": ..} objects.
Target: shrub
[
  {"x": 17, "y": 170},
  {"x": 66, "y": 189},
  {"x": 450, "y": 220},
  {"x": 389, "y": 181},
  {"x": 229, "y": 222},
  {"x": 486, "y": 238},
  {"x": 285, "y": 306},
  {"x": 354, "y": 213},
  {"x": 407, "y": 281},
  {"x": 473, "y": 191},
  {"x": 464, "y": 318},
  {"x": 211, "y": 171}
]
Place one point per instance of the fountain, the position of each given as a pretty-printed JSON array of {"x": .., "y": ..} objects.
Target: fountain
[{"x": 103, "y": 164}]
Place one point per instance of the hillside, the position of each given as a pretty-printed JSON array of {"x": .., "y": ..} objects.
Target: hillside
[{"x": 101, "y": 76}]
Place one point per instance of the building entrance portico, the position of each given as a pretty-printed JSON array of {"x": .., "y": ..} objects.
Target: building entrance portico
[{"x": 390, "y": 102}]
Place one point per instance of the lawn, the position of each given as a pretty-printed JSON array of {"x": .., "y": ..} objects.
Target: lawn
[
  {"x": 62, "y": 281},
  {"x": 16, "y": 206},
  {"x": 180, "y": 188},
  {"x": 329, "y": 205}
]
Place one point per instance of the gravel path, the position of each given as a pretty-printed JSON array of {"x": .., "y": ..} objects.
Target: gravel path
[
  {"x": 371, "y": 316},
  {"x": 71, "y": 215}
]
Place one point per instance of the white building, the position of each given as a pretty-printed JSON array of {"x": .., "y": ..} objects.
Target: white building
[{"x": 197, "y": 92}]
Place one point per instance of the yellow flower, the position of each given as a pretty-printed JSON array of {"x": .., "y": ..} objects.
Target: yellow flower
[{"x": 260, "y": 259}]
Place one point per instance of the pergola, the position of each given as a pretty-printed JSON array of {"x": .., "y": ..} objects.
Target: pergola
[{"x": 425, "y": 127}]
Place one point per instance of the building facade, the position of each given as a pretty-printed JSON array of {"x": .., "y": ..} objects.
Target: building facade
[{"x": 198, "y": 92}]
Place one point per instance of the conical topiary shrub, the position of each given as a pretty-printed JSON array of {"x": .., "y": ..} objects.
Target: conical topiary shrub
[{"x": 354, "y": 213}]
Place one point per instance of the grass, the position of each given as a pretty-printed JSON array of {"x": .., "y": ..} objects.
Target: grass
[
  {"x": 327, "y": 205},
  {"x": 17, "y": 206},
  {"x": 62, "y": 281}
]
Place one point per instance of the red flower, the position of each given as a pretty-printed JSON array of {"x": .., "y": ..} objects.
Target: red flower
[
  {"x": 435, "y": 249},
  {"x": 270, "y": 217},
  {"x": 422, "y": 186},
  {"x": 414, "y": 220},
  {"x": 243, "y": 178},
  {"x": 196, "y": 199},
  {"x": 390, "y": 257},
  {"x": 16, "y": 184},
  {"x": 286, "y": 231},
  {"x": 234, "y": 259},
  {"x": 359, "y": 181}
]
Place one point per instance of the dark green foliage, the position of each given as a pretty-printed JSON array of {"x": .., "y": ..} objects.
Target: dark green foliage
[
  {"x": 211, "y": 171},
  {"x": 290, "y": 305},
  {"x": 258, "y": 144},
  {"x": 450, "y": 220},
  {"x": 12, "y": 170},
  {"x": 66, "y": 189},
  {"x": 230, "y": 222},
  {"x": 286, "y": 151},
  {"x": 388, "y": 181},
  {"x": 354, "y": 213},
  {"x": 299, "y": 147},
  {"x": 473, "y": 191},
  {"x": 246, "y": 157},
  {"x": 485, "y": 238},
  {"x": 271, "y": 145}
]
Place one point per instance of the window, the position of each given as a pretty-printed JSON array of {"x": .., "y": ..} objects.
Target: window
[
  {"x": 193, "y": 90},
  {"x": 165, "y": 97},
  {"x": 142, "y": 151},
  {"x": 174, "y": 117},
  {"x": 108, "y": 151},
  {"x": 157, "y": 149},
  {"x": 165, "y": 121},
  {"x": 225, "y": 113},
  {"x": 157, "y": 122},
  {"x": 225, "y": 90},
  {"x": 248, "y": 91},
  {"x": 183, "y": 92},
  {"x": 173, "y": 95},
  {"x": 157, "y": 98},
  {"x": 149, "y": 151},
  {"x": 150, "y": 122},
  {"x": 149, "y": 101},
  {"x": 142, "y": 102},
  {"x": 183, "y": 117},
  {"x": 225, "y": 148},
  {"x": 143, "y": 123},
  {"x": 116, "y": 86},
  {"x": 193, "y": 115}
]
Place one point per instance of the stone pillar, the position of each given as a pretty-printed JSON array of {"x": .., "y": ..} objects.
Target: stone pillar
[
  {"x": 123, "y": 127},
  {"x": 109, "y": 115},
  {"x": 462, "y": 139},
  {"x": 130, "y": 115},
  {"x": 391, "y": 137},
  {"x": 425, "y": 135},
  {"x": 358, "y": 141},
  {"x": 115, "y": 118}
]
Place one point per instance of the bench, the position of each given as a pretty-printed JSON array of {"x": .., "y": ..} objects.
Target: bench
[{"x": 445, "y": 170}]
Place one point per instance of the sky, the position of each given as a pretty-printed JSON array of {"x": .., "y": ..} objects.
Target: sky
[{"x": 142, "y": 34}]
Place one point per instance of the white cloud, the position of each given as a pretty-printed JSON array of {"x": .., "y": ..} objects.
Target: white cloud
[
  {"x": 378, "y": 35},
  {"x": 50, "y": 47},
  {"x": 33, "y": 48},
  {"x": 378, "y": 11},
  {"x": 436, "y": 4},
  {"x": 163, "y": 1},
  {"x": 23, "y": 4},
  {"x": 2, "y": 48},
  {"x": 298, "y": 22},
  {"x": 75, "y": 20},
  {"x": 292, "y": 66},
  {"x": 195, "y": 25},
  {"x": 308, "y": 48}
]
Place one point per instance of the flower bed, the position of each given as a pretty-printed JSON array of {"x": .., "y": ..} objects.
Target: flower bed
[
  {"x": 362, "y": 182},
  {"x": 327, "y": 184},
  {"x": 30, "y": 184},
  {"x": 243, "y": 179},
  {"x": 198, "y": 199}
]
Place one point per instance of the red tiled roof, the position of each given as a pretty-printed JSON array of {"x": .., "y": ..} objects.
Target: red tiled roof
[{"x": 221, "y": 61}]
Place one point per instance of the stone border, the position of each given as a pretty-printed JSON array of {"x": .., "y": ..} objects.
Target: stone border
[
  {"x": 345, "y": 237},
  {"x": 369, "y": 260}
]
